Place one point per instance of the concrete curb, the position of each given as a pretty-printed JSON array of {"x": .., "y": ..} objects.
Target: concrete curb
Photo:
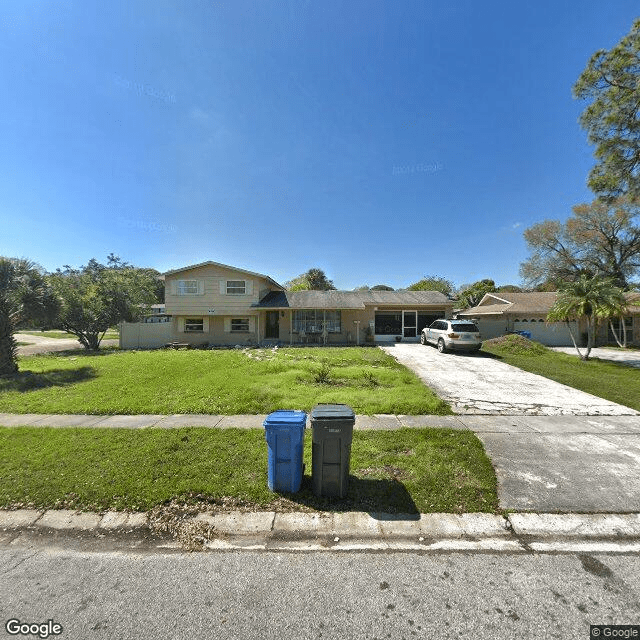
[{"x": 353, "y": 531}]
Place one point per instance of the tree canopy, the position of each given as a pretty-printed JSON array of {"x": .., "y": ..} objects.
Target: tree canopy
[
  {"x": 433, "y": 283},
  {"x": 611, "y": 81},
  {"x": 96, "y": 297},
  {"x": 471, "y": 295},
  {"x": 315, "y": 279},
  {"x": 600, "y": 239},
  {"x": 377, "y": 287},
  {"x": 24, "y": 295},
  {"x": 381, "y": 287}
]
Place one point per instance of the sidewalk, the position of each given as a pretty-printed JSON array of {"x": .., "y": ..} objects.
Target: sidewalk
[
  {"x": 382, "y": 421},
  {"x": 546, "y": 464}
]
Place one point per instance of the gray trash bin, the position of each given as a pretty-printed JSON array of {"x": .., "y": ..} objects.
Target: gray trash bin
[{"x": 332, "y": 433}]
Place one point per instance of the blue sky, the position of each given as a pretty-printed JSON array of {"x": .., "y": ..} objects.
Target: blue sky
[{"x": 380, "y": 141}]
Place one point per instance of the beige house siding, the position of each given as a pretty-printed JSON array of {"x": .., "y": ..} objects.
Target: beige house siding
[
  {"x": 211, "y": 292},
  {"x": 216, "y": 330},
  {"x": 347, "y": 333}
]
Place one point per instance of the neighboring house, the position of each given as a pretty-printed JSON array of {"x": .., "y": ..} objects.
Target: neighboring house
[
  {"x": 500, "y": 313},
  {"x": 216, "y": 304},
  {"x": 156, "y": 313}
]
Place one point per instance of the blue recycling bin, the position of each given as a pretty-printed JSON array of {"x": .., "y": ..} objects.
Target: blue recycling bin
[{"x": 284, "y": 432}]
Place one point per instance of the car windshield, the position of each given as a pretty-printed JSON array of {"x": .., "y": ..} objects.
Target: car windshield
[{"x": 468, "y": 327}]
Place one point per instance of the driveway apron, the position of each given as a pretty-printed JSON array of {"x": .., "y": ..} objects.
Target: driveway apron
[{"x": 554, "y": 449}]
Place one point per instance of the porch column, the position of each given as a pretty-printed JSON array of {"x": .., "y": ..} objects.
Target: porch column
[{"x": 290, "y": 328}]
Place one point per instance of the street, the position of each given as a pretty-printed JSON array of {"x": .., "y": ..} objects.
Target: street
[{"x": 245, "y": 594}]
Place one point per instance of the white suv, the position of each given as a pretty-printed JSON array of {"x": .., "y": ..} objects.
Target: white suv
[{"x": 452, "y": 334}]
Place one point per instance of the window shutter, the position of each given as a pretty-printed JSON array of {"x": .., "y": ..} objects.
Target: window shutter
[
  {"x": 200, "y": 288},
  {"x": 181, "y": 325},
  {"x": 223, "y": 287},
  {"x": 248, "y": 287},
  {"x": 252, "y": 324},
  {"x": 174, "y": 288},
  {"x": 227, "y": 325},
  {"x": 205, "y": 324}
]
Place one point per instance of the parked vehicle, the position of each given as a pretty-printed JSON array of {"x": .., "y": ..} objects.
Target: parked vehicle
[{"x": 462, "y": 335}]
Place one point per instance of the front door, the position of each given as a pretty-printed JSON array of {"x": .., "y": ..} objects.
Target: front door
[
  {"x": 410, "y": 324},
  {"x": 272, "y": 330}
]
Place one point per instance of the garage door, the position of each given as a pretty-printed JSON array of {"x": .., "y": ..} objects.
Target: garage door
[
  {"x": 491, "y": 328},
  {"x": 554, "y": 334}
]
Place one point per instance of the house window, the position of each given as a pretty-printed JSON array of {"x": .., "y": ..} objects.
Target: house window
[
  {"x": 240, "y": 325},
  {"x": 187, "y": 287},
  {"x": 194, "y": 325},
  {"x": 236, "y": 287},
  {"x": 312, "y": 320}
]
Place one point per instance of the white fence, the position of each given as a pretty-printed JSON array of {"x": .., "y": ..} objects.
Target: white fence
[{"x": 144, "y": 335}]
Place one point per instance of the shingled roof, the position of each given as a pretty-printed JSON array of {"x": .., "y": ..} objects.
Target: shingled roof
[
  {"x": 350, "y": 299},
  {"x": 535, "y": 302},
  {"x": 538, "y": 302}
]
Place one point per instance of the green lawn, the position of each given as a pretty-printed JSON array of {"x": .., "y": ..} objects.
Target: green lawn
[
  {"x": 217, "y": 382},
  {"x": 608, "y": 380},
  {"x": 404, "y": 471}
]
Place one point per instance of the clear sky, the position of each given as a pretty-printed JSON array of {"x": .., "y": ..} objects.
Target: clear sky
[{"x": 379, "y": 141}]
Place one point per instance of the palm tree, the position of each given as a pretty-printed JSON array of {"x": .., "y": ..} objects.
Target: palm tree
[
  {"x": 24, "y": 294},
  {"x": 594, "y": 299}
]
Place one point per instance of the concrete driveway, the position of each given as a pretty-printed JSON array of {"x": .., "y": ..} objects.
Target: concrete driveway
[
  {"x": 554, "y": 449},
  {"x": 42, "y": 344},
  {"x": 478, "y": 384},
  {"x": 630, "y": 358},
  {"x": 561, "y": 464}
]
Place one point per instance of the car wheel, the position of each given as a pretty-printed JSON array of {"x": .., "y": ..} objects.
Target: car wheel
[
  {"x": 423, "y": 340},
  {"x": 441, "y": 347}
]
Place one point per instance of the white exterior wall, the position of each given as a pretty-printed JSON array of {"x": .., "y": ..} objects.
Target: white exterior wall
[
  {"x": 491, "y": 328},
  {"x": 552, "y": 334}
]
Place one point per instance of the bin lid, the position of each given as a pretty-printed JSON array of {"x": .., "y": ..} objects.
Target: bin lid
[
  {"x": 286, "y": 417},
  {"x": 332, "y": 412}
]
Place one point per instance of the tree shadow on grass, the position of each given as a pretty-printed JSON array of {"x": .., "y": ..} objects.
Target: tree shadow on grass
[
  {"x": 25, "y": 381},
  {"x": 78, "y": 352},
  {"x": 375, "y": 496}
]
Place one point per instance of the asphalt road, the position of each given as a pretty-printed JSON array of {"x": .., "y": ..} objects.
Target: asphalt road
[
  {"x": 245, "y": 594},
  {"x": 474, "y": 383}
]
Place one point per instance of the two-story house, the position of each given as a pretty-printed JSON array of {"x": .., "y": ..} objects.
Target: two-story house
[{"x": 216, "y": 304}]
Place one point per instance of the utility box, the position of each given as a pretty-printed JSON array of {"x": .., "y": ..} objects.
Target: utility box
[
  {"x": 284, "y": 432},
  {"x": 332, "y": 433}
]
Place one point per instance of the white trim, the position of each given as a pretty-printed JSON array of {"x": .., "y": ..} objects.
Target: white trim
[{"x": 415, "y": 326}]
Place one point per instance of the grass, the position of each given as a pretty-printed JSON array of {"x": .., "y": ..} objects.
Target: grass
[
  {"x": 226, "y": 382},
  {"x": 608, "y": 380},
  {"x": 404, "y": 471},
  {"x": 111, "y": 334}
]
